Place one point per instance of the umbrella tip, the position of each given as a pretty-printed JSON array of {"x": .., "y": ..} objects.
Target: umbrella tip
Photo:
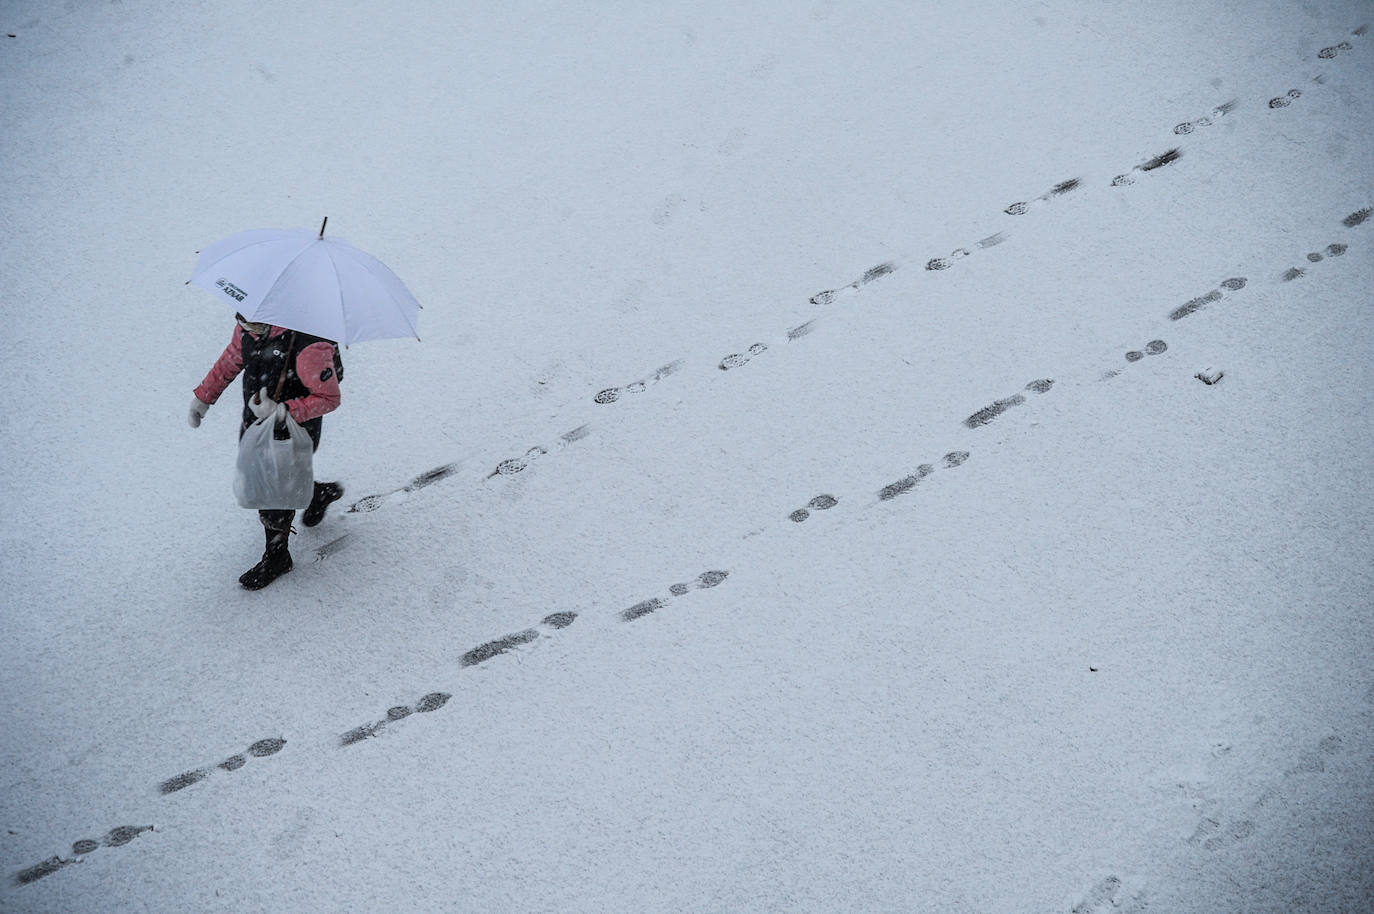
[{"x": 322, "y": 225}]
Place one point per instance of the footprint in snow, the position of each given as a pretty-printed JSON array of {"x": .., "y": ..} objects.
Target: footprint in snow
[
  {"x": 428, "y": 703},
  {"x": 428, "y": 478},
  {"x": 1063, "y": 187},
  {"x": 704, "y": 581},
  {"x": 944, "y": 263},
  {"x": 819, "y": 503},
  {"x": 998, "y": 407},
  {"x": 1217, "y": 114},
  {"x": 116, "y": 837},
  {"x": 829, "y": 296},
  {"x": 261, "y": 749},
  {"x": 1154, "y": 163},
  {"x": 519, "y": 464},
  {"x": 612, "y": 394},
  {"x": 1192, "y": 306},
  {"x": 736, "y": 360}
]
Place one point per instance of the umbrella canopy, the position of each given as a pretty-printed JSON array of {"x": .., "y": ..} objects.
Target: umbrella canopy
[{"x": 301, "y": 280}]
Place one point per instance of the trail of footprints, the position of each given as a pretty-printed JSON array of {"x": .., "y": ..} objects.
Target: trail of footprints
[
  {"x": 830, "y": 296},
  {"x": 886, "y": 493},
  {"x": 428, "y": 703},
  {"x": 936, "y": 264},
  {"x": 1327, "y": 53},
  {"x": 508, "y": 467},
  {"x": 116, "y": 837},
  {"x": 1215, "y": 834},
  {"x": 489, "y": 650},
  {"x": 122, "y": 835},
  {"x": 433, "y": 701},
  {"x": 1209, "y": 376},
  {"x": 1211, "y": 834},
  {"x": 1331, "y": 250},
  {"x": 827, "y": 297}
]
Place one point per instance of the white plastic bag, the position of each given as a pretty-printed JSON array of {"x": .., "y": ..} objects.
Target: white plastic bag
[{"x": 272, "y": 474}]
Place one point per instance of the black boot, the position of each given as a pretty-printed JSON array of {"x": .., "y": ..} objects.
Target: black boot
[
  {"x": 326, "y": 493},
  {"x": 276, "y": 560}
]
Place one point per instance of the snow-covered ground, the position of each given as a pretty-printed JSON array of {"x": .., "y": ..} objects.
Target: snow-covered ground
[{"x": 1062, "y": 628}]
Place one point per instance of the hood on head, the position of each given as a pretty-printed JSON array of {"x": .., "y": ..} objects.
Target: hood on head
[{"x": 258, "y": 329}]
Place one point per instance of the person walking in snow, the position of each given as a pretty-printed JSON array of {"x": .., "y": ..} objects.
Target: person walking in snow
[{"x": 303, "y": 372}]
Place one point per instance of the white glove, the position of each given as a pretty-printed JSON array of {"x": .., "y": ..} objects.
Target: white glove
[
  {"x": 264, "y": 406},
  {"x": 198, "y": 411}
]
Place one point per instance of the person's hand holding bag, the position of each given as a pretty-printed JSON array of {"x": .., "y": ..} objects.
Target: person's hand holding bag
[{"x": 264, "y": 406}]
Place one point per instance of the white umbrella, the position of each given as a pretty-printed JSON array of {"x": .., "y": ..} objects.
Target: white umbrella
[{"x": 301, "y": 280}]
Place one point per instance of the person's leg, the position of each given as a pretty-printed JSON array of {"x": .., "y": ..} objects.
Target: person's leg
[
  {"x": 326, "y": 493},
  {"x": 276, "y": 558}
]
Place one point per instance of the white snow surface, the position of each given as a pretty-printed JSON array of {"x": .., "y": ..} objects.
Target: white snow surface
[{"x": 1118, "y": 659}]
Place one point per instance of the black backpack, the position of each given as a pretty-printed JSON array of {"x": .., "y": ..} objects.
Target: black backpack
[{"x": 302, "y": 340}]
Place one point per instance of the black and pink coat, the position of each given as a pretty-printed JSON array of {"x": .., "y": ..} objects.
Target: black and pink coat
[{"x": 311, "y": 388}]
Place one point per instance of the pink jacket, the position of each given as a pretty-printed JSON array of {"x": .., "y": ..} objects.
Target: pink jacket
[{"x": 314, "y": 367}]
